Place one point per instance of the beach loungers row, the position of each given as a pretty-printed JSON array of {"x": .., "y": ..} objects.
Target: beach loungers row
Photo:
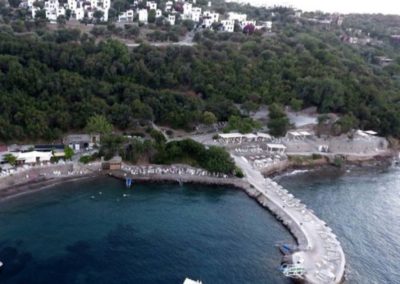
[{"x": 174, "y": 170}]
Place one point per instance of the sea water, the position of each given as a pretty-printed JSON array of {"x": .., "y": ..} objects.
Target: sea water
[
  {"x": 362, "y": 206},
  {"x": 98, "y": 231}
]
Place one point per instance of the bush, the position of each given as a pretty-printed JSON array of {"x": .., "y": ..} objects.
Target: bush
[
  {"x": 338, "y": 162},
  {"x": 239, "y": 173},
  {"x": 86, "y": 159},
  {"x": 316, "y": 156}
]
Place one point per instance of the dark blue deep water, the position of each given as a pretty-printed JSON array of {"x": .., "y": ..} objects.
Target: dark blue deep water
[{"x": 156, "y": 234}]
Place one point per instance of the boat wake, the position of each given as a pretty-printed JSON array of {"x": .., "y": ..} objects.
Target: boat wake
[{"x": 293, "y": 173}]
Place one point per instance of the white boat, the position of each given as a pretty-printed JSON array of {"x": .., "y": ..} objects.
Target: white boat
[
  {"x": 190, "y": 281},
  {"x": 1, "y": 264}
]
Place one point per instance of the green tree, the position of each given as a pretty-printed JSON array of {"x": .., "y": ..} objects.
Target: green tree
[
  {"x": 99, "y": 124},
  {"x": 209, "y": 118},
  {"x": 11, "y": 159},
  {"x": 152, "y": 16},
  {"x": 218, "y": 160},
  {"x": 278, "y": 123},
  {"x": 98, "y": 15},
  {"x": 68, "y": 152}
]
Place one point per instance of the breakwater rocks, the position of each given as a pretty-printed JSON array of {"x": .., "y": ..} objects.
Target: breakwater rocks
[{"x": 320, "y": 254}]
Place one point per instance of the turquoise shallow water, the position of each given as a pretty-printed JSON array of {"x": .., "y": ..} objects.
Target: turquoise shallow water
[
  {"x": 155, "y": 234},
  {"x": 363, "y": 209}
]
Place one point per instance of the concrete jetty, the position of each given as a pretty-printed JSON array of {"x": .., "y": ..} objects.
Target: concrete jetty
[{"x": 320, "y": 253}]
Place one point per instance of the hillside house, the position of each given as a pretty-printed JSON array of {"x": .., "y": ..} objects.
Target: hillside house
[
  {"x": 233, "y": 16},
  {"x": 143, "y": 16},
  {"x": 211, "y": 15},
  {"x": 79, "y": 8},
  {"x": 151, "y": 5},
  {"x": 246, "y": 23},
  {"x": 171, "y": 19},
  {"x": 80, "y": 142},
  {"x": 168, "y": 6},
  {"x": 126, "y": 17},
  {"x": 228, "y": 26}
]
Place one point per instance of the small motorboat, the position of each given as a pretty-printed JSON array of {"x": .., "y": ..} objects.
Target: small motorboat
[
  {"x": 287, "y": 249},
  {"x": 190, "y": 281},
  {"x": 1, "y": 265}
]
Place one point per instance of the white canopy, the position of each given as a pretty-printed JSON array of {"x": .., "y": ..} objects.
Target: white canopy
[
  {"x": 294, "y": 133},
  {"x": 264, "y": 135},
  {"x": 371, "y": 132},
  {"x": 230, "y": 135},
  {"x": 276, "y": 146},
  {"x": 250, "y": 136},
  {"x": 34, "y": 156}
]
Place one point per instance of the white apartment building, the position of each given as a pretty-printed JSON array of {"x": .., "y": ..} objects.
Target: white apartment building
[
  {"x": 207, "y": 23},
  {"x": 228, "y": 25},
  {"x": 143, "y": 16},
  {"x": 151, "y": 5},
  {"x": 187, "y": 10},
  {"x": 126, "y": 17},
  {"x": 212, "y": 15},
  {"x": 237, "y": 17},
  {"x": 171, "y": 19},
  {"x": 195, "y": 15},
  {"x": 79, "y": 8},
  {"x": 245, "y": 23},
  {"x": 168, "y": 6},
  {"x": 158, "y": 13}
]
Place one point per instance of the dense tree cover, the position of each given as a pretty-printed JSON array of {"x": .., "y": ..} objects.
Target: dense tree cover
[
  {"x": 54, "y": 82},
  {"x": 213, "y": 159},
  {"x": 158, "y": 151},
  {"x": 278, "y": 123},
  {"x": 98, "y": 124},
  {"x": 241, "y": 124}
]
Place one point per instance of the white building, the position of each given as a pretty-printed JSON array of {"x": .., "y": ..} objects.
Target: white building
[
  {"x": 143, "y": 16},
  {"x": 268, "y": 25},
  {"x": 195, "y": 15},
  {"x": 212, "y": 15},
  {"x": 187, "y": 11},
  {"x": 126, "y": 17},
  {"x": 237, "y": 17},
  {"x": 245, "y": 23},
  {"x": 168, "y": 6},
  {"x": 151, "y": 5},
  {"x": 33, "y": 157},
  {"x": 171, "y": 19},
  {"x": 158, "y": 13},
  {"x": 228, "y": 25},
  {"x": 79, "y": 8},
  {"x": 207, "y": 22}
]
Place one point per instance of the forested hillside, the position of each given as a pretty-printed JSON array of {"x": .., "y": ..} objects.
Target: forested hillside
[{"x": 53, "y": 82}]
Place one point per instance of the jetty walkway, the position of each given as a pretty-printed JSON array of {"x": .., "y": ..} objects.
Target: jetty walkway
[{"x": 320, "y": 253}]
